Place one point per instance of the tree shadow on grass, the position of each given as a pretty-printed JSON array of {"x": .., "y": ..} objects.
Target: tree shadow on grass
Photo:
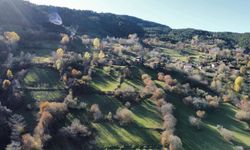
[{"x": 117, "y": 135}]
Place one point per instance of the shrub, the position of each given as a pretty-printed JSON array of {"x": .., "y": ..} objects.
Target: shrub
[
  {"x": 97, "y": 114},
  {"x": 195, "y": 122},
  {"x": 124, "y": 116},
  {"x": 175, "y": 143},
  {"x": 75, "y": 130},
  {"x": 169, "y": 122}
]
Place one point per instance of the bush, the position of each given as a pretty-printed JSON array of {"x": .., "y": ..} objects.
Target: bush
[
  {"x": 195, "y": 122},
  {"x": 97, "y": 114},
  {"x": 124, "y": 116}
]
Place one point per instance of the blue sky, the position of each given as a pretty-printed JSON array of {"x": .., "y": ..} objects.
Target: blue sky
[{"x": 212, "y": 15}]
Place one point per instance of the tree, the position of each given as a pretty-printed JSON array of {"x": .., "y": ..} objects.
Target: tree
[
  {"x": 165, "y": 137},
  {"x": 195, "y": 122},
  {"x": 59, "y": 64},
  {"x": 96, "y": 43},
  {"x": 75, "y": 72},
  {"x": 97, "y": 114},
  {"x": 101, "y": 55},
  {"x": 124, "y": 116},
  {"x": 86, "y": 56},
  {"x": 9, "y": 74},
  {"x": 75, "y": 130},
  {"x": 30, "y": 143},
  {"x": 65, "y": 39},
  {"x": 59, "y": 52},
  {"x": 238, "y": 83},
  {"x": 175, "y": 143},
  {"x": 169, "y": 122},
  {"x": 11, "y": 37}
]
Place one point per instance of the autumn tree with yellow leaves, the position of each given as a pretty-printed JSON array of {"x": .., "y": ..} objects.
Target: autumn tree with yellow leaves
[
  {"x": 9, "y": 74},
  {"x": 11, "y": 37},
  {"x": 238, "y": 83},
  {"x": 97, "y": 43}
]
